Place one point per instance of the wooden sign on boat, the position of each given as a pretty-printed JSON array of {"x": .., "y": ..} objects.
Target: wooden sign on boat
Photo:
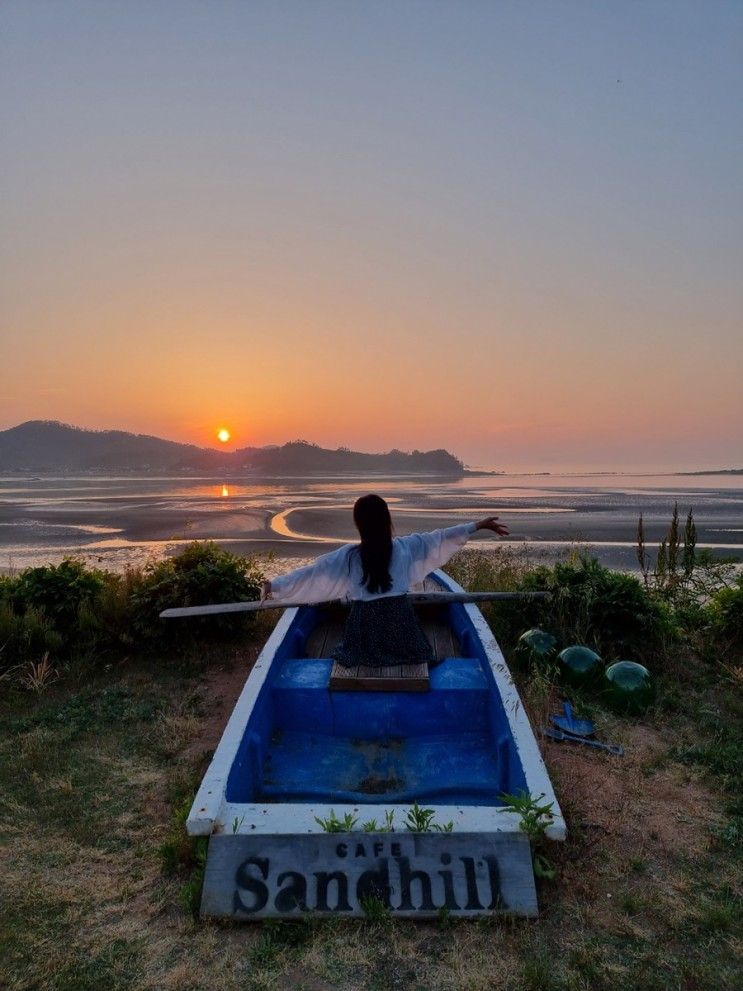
[{"x": 408, "y": 874}]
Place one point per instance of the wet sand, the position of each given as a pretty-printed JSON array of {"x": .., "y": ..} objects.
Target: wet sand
[{"x": 115, "y": 522}]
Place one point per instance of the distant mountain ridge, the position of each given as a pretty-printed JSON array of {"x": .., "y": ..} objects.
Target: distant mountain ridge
[{"x": 51, "y": 446}]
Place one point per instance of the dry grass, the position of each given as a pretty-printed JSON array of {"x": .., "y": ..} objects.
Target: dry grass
[{"x": 90, "y": 777}]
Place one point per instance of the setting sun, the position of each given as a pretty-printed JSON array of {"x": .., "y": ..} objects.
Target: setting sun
[{"x": 223, "y": 435}]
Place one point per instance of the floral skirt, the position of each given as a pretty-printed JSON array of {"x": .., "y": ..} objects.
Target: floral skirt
[{"x": 382, "y": 632}]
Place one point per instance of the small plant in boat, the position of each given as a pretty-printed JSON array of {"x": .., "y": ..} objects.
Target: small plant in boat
[
  {"x": 421, "y": 821},
  {"x": 334, "y": 825},
  {"x": 445, "y": 827},
  {"x": 236, "y": 823},
  {"x": 387, "y": 827},
  {"x": 535, "y": 818}
]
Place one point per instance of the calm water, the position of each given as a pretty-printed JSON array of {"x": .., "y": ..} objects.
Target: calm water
[{"x": 115, "y": 521}]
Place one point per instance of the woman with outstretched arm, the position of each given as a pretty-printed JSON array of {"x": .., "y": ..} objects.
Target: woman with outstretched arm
[{"x": 376, "y": 575}]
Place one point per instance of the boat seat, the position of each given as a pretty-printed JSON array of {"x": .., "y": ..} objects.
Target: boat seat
[
  {"x": 396, "y": 678},
  {"x": 457, "y": 697}
]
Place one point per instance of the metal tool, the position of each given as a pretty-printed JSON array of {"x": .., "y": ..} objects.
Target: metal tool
[
  {"x": 561, "y": 736},
  {"x": 570, "y": 724}
]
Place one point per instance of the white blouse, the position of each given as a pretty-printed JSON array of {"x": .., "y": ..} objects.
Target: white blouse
[{"x": 338, "y": 575}]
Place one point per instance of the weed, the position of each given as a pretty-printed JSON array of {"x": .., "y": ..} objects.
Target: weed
[
  {"x": 631, "y": 903},
  {"x": 334, "y": 825},
  {"x": 92, "y": 711},
  {"x": 538, "y": 972},
  {"x": 265, "y": 950},
  {"x": 190, "y": 892},
  {"x": 722, "y": 753},
  {"x": 39, "y": 675},
  {"x": 534, "y": 820},
  {"x": 418, "y": 819},
  {"x": 237, "y": 823},
  {"x": 375, "y": 909},
  {"x": 421, "y": 821},
  {"x": 728, "y": 836},
  {"x": 719, "y": 913},
  {"x": 372, "y": 826}
]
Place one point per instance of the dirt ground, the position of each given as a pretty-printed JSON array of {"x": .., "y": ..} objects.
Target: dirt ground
[{"x": 644, "y": 898}]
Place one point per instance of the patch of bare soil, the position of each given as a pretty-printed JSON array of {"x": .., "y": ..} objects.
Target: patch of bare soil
[
  {"x": 635, "y": 798},
  {"x": 220, "y": 689},
  {"x": 630, "y": 821}
]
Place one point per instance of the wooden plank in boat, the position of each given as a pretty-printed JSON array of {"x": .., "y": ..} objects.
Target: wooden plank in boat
[
  {"x": 397, "y": 678},
  {"x": 315, "y": 645},
  {"x": 335, "y": 632}
]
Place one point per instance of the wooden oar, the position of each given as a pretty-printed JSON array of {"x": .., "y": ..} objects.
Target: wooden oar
[{"x": 417, "y": 598}]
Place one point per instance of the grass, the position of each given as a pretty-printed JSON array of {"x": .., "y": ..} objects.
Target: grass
[{"x": 96, "y": 776}]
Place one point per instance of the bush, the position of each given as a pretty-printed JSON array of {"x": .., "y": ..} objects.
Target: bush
[
  {"x": 26, "y": 636},
  {"x": 726, "y": 614},
  {"x": 201, "y": 574},
  {"x": 110, "y": 621},
  {"x": 59, "y": 590},
  {"x": 71, "y": 611},
  {"x": 589, "y": 604},
  {"x": 612, "y": 610}
]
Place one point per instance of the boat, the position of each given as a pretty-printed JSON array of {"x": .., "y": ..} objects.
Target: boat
[{"x": 298, "y": 758}]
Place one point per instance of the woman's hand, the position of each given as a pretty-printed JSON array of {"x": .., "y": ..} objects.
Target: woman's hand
[
  {"x": 265, "y": 590},
  {"x": 491, "y": 523}
]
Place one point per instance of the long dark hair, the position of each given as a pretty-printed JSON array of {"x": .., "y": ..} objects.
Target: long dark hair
[{"x": 374, "y": 523}]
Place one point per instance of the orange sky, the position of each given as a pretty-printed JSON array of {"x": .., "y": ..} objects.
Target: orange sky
[{"x": 282, "y": 225}]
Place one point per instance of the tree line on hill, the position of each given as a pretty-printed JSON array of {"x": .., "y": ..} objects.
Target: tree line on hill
[{"x": 49, "y": 446}]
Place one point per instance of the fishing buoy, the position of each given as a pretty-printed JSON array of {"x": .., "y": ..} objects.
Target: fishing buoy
[
  {"x": 628, "y": 687},
  {"x": 536, "y": 646},
  {"x": 579, "y": 665}
]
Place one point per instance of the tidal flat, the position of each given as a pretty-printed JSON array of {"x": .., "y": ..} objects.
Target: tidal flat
[{"x": 115, "y": 522}]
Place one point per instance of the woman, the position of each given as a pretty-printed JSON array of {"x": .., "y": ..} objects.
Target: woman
[{"x": 376, "y": 574}]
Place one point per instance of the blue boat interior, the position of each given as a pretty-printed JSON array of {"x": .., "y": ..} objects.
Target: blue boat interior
[{"x": 451, "y": 745}]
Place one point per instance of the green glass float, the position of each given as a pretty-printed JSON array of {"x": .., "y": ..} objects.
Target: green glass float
[
  {"x": 628, "y": 686},
  {"x": 536, "y": 646},
  {"x": 579, "y": 665}
]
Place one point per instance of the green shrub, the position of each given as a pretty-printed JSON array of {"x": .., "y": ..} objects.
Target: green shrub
[
  {"x": 25, "y": 636},
  {"x": 726, "y": 614},
  {"x": 70, "y": 611},
  {"x": 612, "y": 610},
  {"x": 589, "y": 604},
  {"x": 201, "y": 574},
  {"x": 110, "y": 622},
  {"x": 59, "y": 590}
]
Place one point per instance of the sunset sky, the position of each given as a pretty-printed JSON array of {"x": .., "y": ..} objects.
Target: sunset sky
[{"x": 511, "y": 229}]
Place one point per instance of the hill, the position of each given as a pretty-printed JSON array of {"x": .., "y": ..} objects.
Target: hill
[{"x": 49, "y": 446}]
